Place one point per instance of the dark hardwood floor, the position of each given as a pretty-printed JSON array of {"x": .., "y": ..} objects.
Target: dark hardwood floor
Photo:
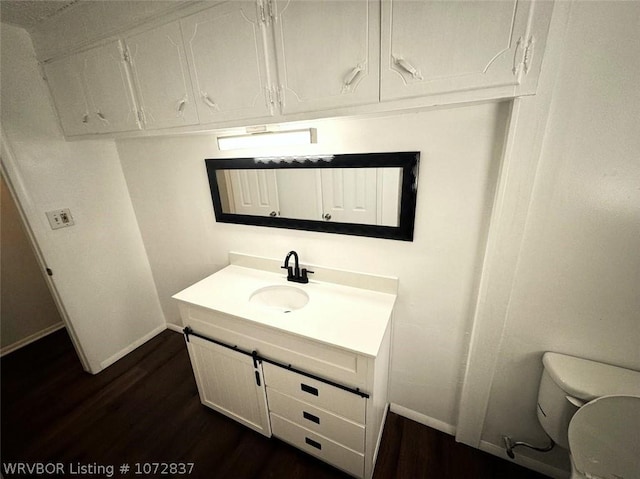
[{"x": 145, "y": 408}]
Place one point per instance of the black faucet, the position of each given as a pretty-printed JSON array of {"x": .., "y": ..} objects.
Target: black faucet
[{"x": 293, "y": 272}]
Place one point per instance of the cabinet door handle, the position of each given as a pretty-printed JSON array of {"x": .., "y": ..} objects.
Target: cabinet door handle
[
  {"x": 309, "y": 389},
  {"x": 350, "y": 78},
  {"x": 313, "y": 443},
  {"x": 310, "y": 417},
  {"x": 258, "y": 378},
  {"x": 181, "y": 104},
  {"x": 209, "y": 102},
  {"x": 101, "y": 116},
  {"x": 85, "y": 118},
  {"x": 408, "y": 67}
]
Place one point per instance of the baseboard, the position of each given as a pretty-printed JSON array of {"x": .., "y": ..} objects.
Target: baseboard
[
  {"x": 120, "y": 354},
  {"x": 525, "y": 461},
  {"x": 423, "y": 419},
  {"x": 175, "y": 327},
  {"x": 485, "y": 446},
  {"x": 379, "y": 441},
  {"x": 31, "y": 338}
]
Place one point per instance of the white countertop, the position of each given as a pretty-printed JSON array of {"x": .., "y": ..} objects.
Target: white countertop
[{"x": 347, "y": 317}]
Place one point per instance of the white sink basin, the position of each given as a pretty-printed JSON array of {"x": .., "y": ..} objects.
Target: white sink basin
[{"x": 283, "y": 298}]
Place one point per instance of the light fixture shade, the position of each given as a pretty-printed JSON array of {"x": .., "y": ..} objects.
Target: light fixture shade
[{"x": 267, "y": 139}]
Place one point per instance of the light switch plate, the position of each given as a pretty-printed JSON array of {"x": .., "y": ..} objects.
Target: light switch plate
[{"x": 60, "y": 218}]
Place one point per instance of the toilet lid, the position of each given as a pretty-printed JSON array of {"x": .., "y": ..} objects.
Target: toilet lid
[{"x": 604, "y": 438}]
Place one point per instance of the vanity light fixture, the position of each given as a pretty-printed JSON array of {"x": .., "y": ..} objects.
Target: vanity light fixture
[{"x": 266, "y": 139}]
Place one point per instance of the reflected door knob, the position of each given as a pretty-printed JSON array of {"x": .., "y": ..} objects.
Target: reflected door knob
[{"x": 327, "y": 217}]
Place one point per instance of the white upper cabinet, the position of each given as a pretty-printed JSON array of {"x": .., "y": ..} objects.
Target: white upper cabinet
[
  {"x": 226, "y": 56},
  {"x": 327, "y": 53},
  {"x": 91, "y": 91},
  {"x": 108, "y": 89},
  {"x": 247, "y": 62},
  {"x": 161, "y": 77},
  {"x": 435, "y": 47},
  {"x": 67, "y": 90}
]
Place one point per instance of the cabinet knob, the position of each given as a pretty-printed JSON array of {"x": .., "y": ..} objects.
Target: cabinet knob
[
  {"x": 273, "y": 213},
  {"x": 327, "y": 217}
]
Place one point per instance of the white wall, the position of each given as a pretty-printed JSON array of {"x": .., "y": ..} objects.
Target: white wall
[
  {"x": 101, "y": 271},
  {"x": 577, "y": 285},
  {"x": 437, "y": 271}
]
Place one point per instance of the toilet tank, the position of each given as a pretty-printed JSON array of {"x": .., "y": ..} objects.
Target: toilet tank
[{"x": 569, "y": 382}]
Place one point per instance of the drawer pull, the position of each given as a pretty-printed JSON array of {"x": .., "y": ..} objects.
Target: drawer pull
[
  {"x": 313, "y": 443},
  {"x": 309, "y": 389},
  {"x": 311, "y": 417}
]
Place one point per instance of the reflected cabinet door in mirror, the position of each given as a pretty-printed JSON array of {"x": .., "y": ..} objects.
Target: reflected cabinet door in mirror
[
  {"x": 252, "y": 192},
  {"x": 370, "y": 194},
  {"x": 436, "y": 47}
]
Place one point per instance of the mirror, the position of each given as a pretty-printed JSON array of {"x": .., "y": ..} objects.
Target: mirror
[{"x": 371, "y": 194}]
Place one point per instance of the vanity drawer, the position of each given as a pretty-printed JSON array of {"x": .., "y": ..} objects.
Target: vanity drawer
[
  {"x": 320, "y": 359},
  {"x": 317, "y": 393},
  {"x": 317, "y": 445},
  {"x": 317, "y": 420}
]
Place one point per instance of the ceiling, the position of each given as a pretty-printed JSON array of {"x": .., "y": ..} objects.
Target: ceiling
[{"x": 28, "y": 13}]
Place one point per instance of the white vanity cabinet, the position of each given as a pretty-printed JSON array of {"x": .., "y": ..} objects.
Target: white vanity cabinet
[
  {"x": 327, "y": 402},
  {"x": 161, "y": 77},
  {"x": 230, "y": 382},
  {"x": 92, "y": 92},
  {"x": 433, "y": 47},
  {"x": 327, "y": 53},
  {"x": 319, "y": 418},
  {"x": 304, "y": 376}
]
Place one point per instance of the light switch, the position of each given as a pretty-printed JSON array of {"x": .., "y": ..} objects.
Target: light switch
[{"x": 60, "y": 218}]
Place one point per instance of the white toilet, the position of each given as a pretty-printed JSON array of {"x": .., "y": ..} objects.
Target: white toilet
[{"x": 593, "y": 410}]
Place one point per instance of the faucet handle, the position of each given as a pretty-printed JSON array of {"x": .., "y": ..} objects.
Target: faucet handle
[
  {"x": 304, "y": 272},
  {"x": 289, "y": 271}
]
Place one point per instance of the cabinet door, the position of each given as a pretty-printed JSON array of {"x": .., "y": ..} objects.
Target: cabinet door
[
  {"x": 433, "y": 47},
  {"x": 108, "y": 89},
  {"x": 349, "y": 195},
  {"x": 254, "y": 192},
  {"x": 229, "y": 383},
  {"x": 161, "y": 77},
  {"x": 327, "y": 53},
  {"x": 226, "y": 56},
  {"x": 67, "y": 90}
]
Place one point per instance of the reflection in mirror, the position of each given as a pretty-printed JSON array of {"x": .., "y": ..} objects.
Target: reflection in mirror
[
  {"x": 364, "y": 194},
  {"x": 342, "y": 195}
]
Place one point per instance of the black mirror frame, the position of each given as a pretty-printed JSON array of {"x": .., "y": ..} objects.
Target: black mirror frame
[{"x": 408, "y": 161}]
